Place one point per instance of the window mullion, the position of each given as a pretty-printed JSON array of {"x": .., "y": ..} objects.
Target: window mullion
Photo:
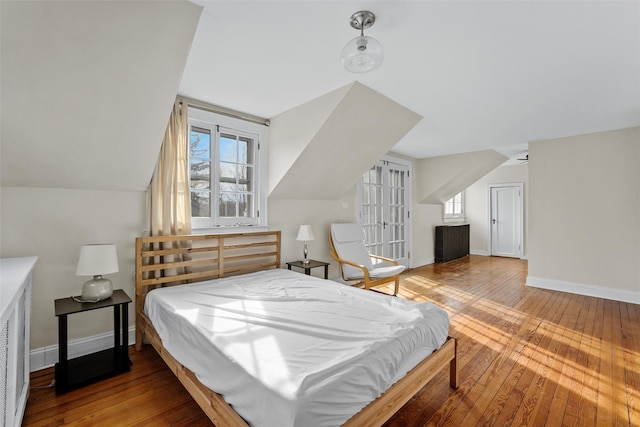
[{"x": 215, "y": 179}]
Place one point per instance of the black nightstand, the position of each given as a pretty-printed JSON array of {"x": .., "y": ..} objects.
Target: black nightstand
[
  {"x": 83, "y": 370},
  {"x": 308, "y": 266}
]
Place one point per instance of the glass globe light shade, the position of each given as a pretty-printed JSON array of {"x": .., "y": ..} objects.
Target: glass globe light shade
[{"x": 362, "y": 54}]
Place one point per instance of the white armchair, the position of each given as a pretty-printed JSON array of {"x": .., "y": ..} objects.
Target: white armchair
[{"x": 356, "y": 263}]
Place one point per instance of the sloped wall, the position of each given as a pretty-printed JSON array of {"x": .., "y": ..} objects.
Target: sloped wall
[
  {"x": 87, "y": 88},
  {"x": 441, "y": 178},
  {"x": 320, "y": 149}
]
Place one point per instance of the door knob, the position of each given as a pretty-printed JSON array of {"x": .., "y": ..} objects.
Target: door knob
[{"x": 493, "y": 221}]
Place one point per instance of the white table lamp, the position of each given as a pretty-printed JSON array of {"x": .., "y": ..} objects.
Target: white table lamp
[
  {"x": 96, "y": 260},
  {"x": 305, "y": 234}
]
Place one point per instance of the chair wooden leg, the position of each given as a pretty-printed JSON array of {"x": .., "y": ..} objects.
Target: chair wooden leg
[{"x": 397, "y": 287}]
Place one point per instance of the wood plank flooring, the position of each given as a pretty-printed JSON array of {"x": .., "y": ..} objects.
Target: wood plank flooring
[{"x": 527, "y": 357}]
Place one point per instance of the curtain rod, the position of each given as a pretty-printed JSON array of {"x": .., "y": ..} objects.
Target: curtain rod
[{"x": 224, "y": 111}]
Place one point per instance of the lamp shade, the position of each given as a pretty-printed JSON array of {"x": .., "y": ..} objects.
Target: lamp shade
[
  {"x": 97, "y": 259},
  {"x": 305, "y": 233},
  {"x": 362, "y": 54}
]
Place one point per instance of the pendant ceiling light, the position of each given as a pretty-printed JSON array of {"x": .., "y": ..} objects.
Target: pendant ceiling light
[{"x": 362, "y": 53}]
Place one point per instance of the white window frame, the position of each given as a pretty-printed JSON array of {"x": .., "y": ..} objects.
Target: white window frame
[
  {"x": 214, "y": 123},
  {"x": 455, "y": 216}
]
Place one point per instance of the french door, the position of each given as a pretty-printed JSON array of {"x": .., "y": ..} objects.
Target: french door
[{"x": 385, "y": 199}]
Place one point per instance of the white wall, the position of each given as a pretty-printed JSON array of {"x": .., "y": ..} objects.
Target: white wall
[
  {"x": 584, "y": 214},
  {"x": 52, "y": 224},
  {"x": 425, "y": 218},
  {"x": 287, "y": 215},
  {"x": 477, "y": 209}
]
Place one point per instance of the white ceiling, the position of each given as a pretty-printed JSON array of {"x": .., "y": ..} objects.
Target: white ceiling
[{"x": 483, "y": 74}]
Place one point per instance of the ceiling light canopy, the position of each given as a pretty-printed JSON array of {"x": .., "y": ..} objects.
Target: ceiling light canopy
[{"x": 363, "y": 53}]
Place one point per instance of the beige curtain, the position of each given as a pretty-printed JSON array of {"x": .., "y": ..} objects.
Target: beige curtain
[
  {"x": 169, "y": 205},
  {"x": 168, "y": 194}
]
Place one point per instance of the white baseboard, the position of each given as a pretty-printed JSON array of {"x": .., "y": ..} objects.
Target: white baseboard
[
  {"x": 481, "y": 253},
  {"x": 44, "y": 357},
  {"x": 587, "y": 290},
  {"x": 423, "y": 262},
  {"x": 485, "y": 253}
]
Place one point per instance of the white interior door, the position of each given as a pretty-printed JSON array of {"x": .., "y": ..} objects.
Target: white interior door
[
  {"x": 505, "y": 221},
  {"x": 385, "y": 193}
]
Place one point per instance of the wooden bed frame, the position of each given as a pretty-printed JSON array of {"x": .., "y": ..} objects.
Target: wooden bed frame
[{"x": 175, "y": 260}]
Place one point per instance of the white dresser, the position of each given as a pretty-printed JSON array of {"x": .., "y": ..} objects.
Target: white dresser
[{"x": 15, "y": 305}]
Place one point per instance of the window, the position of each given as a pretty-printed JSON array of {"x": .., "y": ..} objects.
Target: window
[
  {"x": 200, "y": 172},
  {"x": 454, "y": 208},
  {"x": 224, "y": 170}
]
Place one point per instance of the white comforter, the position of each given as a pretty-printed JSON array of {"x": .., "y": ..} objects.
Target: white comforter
[{"x": 287, "y": 349}]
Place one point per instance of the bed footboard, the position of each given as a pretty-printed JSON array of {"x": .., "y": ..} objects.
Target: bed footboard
[{"x": 390, "y": 402}]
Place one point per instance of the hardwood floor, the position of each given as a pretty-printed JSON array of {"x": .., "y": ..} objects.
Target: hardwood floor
[{"x": 526, "y": 357}]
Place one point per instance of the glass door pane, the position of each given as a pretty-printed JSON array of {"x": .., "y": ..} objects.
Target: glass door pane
[{"x": 384, "y": 211}]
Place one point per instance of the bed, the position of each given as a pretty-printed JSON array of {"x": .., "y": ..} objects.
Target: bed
[{"x": 330, "y": 370}]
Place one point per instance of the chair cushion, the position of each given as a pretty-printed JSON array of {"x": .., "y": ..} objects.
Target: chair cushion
[
  {"x": 374, "y": 273},
  {"x": 349, "y": 232},
  {"x": 348, "y": 241},
  {"x": 389, "y": 271},
  {"x": 355, "y": 252}
]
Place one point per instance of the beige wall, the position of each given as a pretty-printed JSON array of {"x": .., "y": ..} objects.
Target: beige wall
[
  {"x": 477, "y": 209},
  {"x": 87, "y": 89},
  {"x": 52, "y": 224},
  {"x": 287, "y": 215},
  {"x": 578, "y": 244},
  {"x": 424, "y": 220},
  {"x": 584, "y": 214}
]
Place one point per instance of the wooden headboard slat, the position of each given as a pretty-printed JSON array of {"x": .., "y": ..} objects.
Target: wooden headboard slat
[
  {"x": 161, "y": 252},
  {"x": 179, "y": 264},
  {"x": 182, "y": 278},
  {"x": 248, "y": 267},
  {"x": 250, "y": 256},
  {"x": 154, "y": 239},
  {"x": 248, "y": 245}
]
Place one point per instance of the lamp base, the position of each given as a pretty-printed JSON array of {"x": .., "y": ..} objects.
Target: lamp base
[
  {"x": 305, "y": 252},
  {"x": 96, "y": 289}
]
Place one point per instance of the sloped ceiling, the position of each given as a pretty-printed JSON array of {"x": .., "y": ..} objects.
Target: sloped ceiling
[
  {"x": 441, "y": 178},
  {"x": 87, "y": 88},
  {"x": 484, "y": 74},
  {"x": 320, "y": 149}
]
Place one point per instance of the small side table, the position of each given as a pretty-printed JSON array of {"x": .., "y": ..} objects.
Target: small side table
[
  {"x": 308, "y": 266},
  {"x": 83, "y": 370}
]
